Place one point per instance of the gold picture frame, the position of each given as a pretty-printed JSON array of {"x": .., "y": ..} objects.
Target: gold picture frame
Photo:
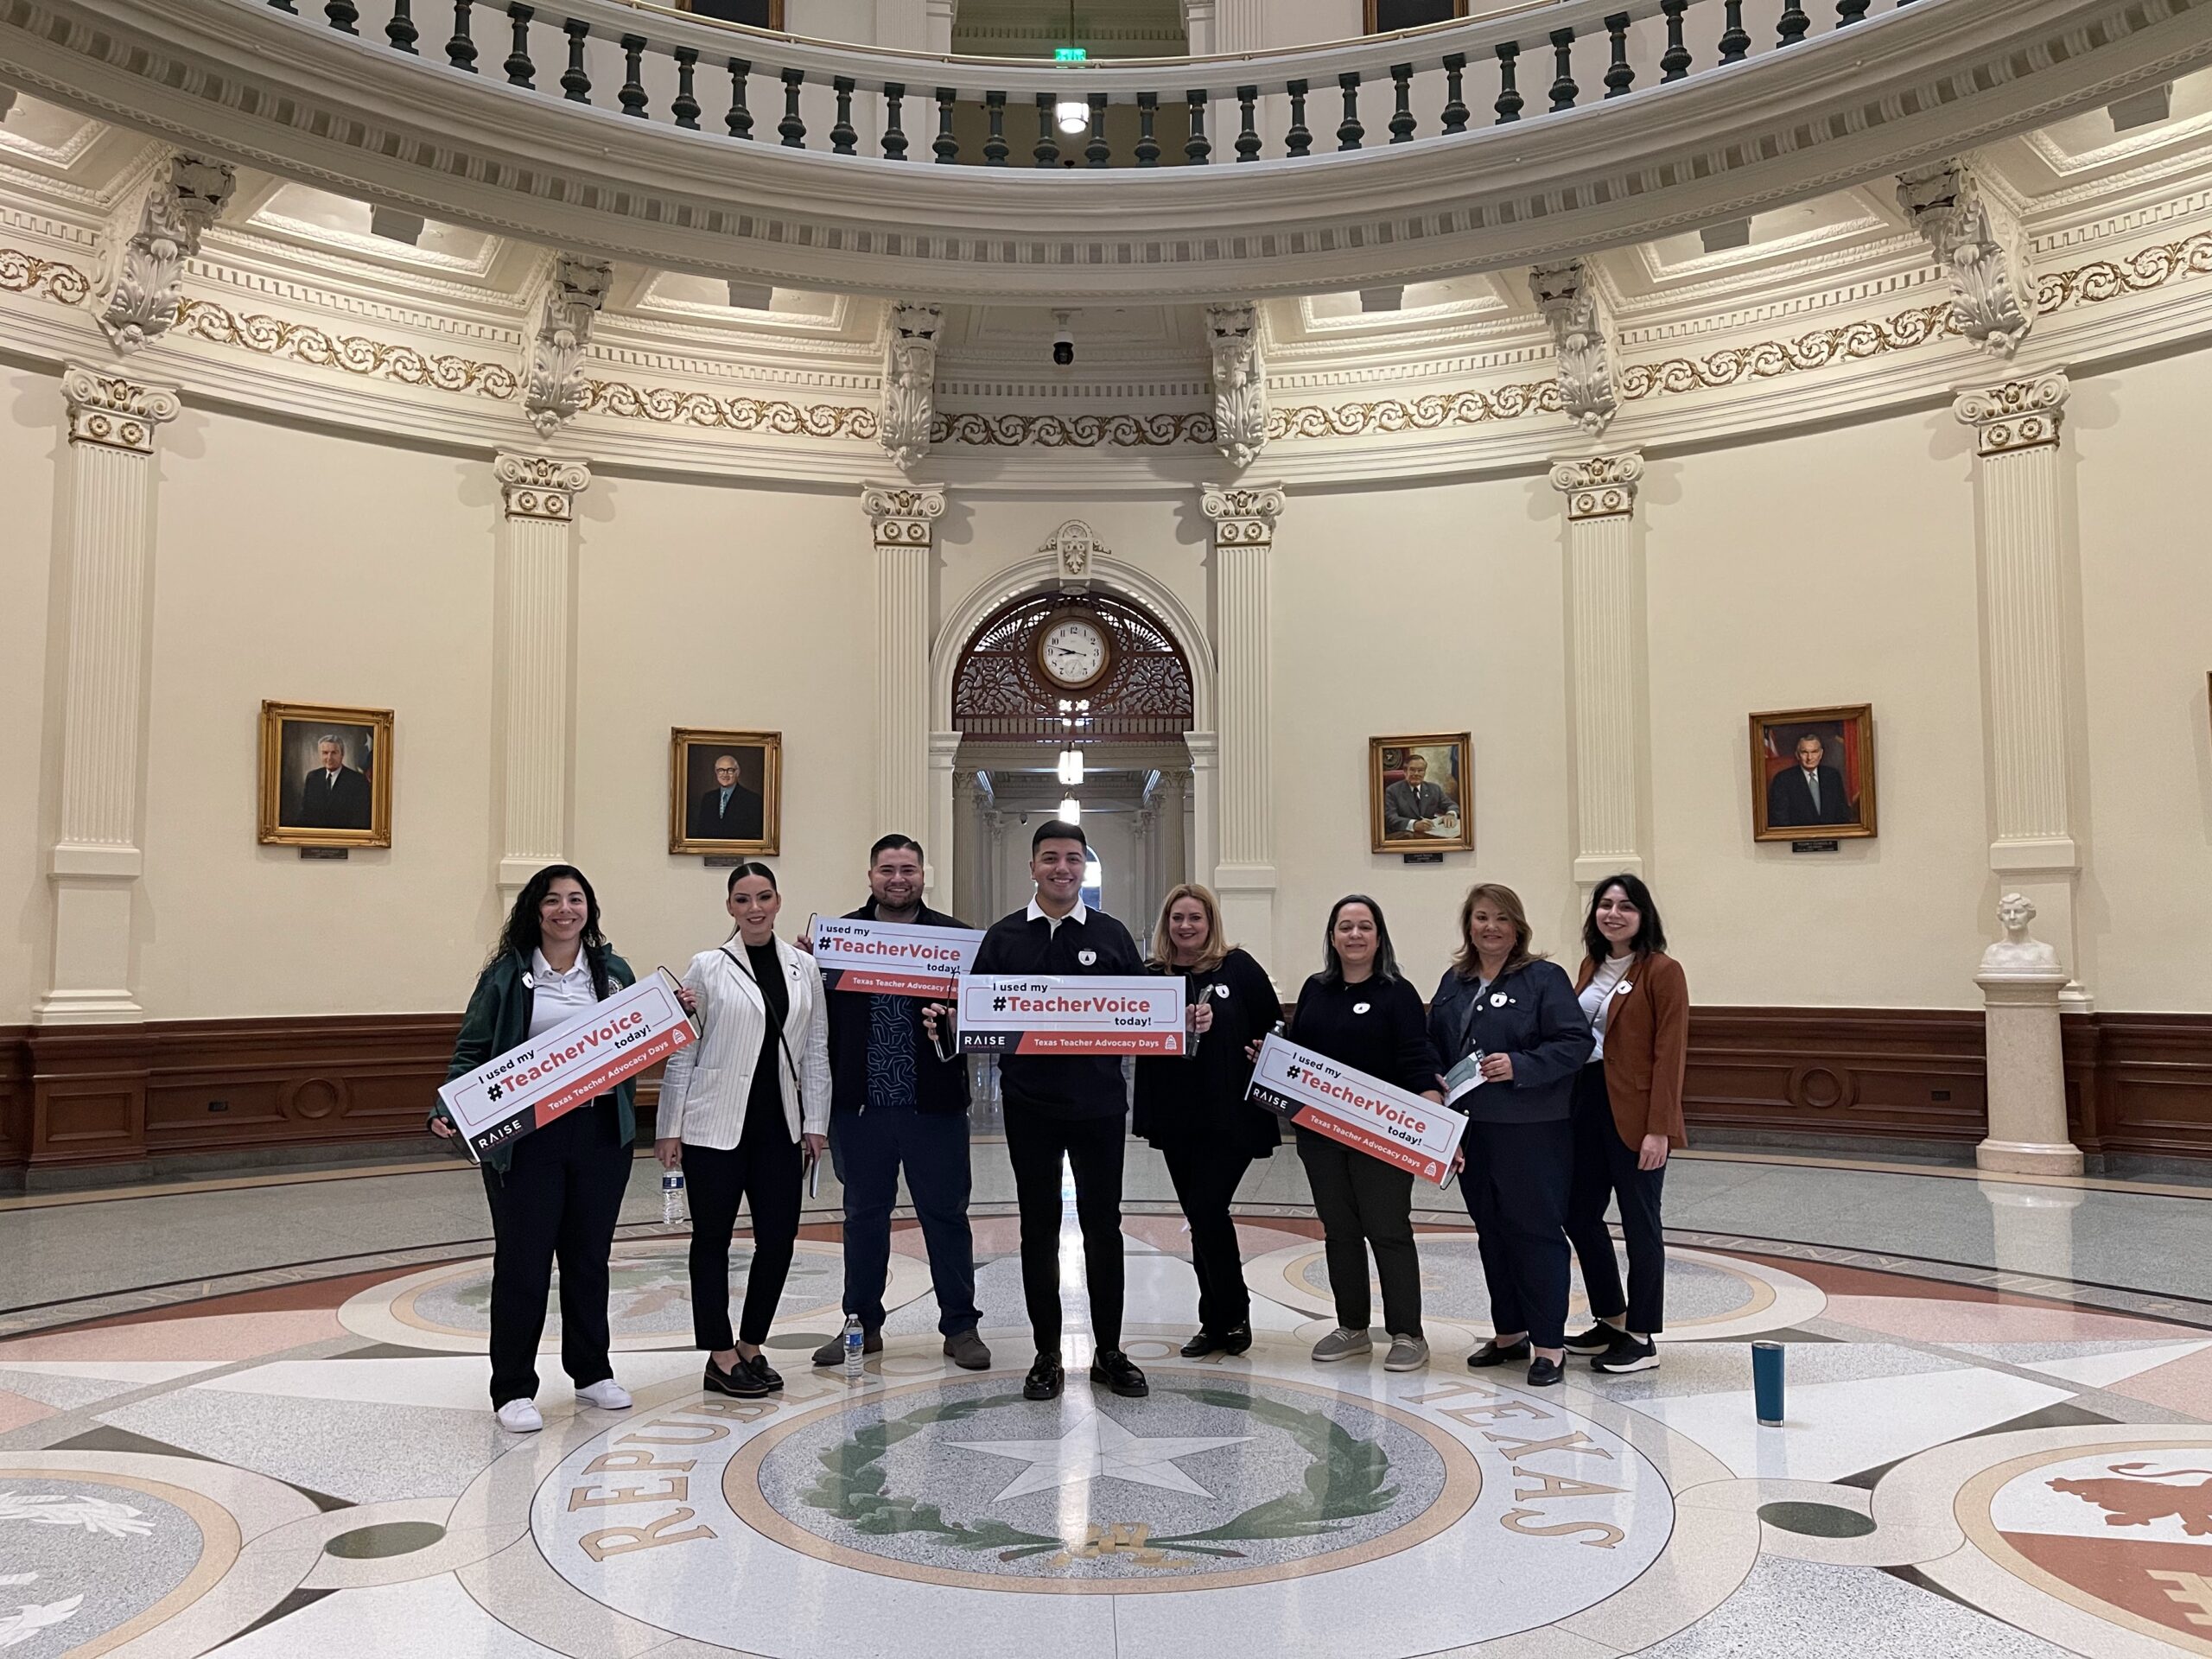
[
  {"x": 1446, "y": 772},
  {"x": 298, "y": 808},
  {"x": 699, "y": 819},
  {"x": 1782, "y": 809}
]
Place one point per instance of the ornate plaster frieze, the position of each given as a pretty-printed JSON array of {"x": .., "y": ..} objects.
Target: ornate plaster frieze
[
  {"x": 1763, "y": 359},
  {"x": 114, "y": 413},
  {"x": 668, "y": 406},
  {"x": 304, "y": 342},
  {"x": 1239, "y": 382},
  {"x": 540, "y": 487},
  {"x": 42, "y": 279},
  {"x": 1075, "y": 431},
  {"x": 1568, "y": 301},
  {"x": 1603, "y": 486},
  {"x": 1075, "y": 546},
  {"x": 555, "y": 388},
  {"x": 2135, "y": 273},
  {"x": 141, "y": 287},
  {"x": 2016, "y": 415},
  {"x": 909, "y": 382},
  {"x": 903, "y": 515},
  {"x": 1242, "y": 515},
  {"x": 1392, "y": 414},
  {"x": 1977, "y": 238}
]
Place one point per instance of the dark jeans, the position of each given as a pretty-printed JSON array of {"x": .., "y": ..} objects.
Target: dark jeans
[
  {"x": 1205, "y": 1174},
  {"x": 1035, "y": 1143},
  {"x": 1516, "y": 1181},
  {"x": 1364, "y": 1204},
  {"x": 765, "y": 1170},
  {"x": 870, "y": 1147},
  {"x": 558, "y": 1201},
  {"x": 1604, "y": 1168}
]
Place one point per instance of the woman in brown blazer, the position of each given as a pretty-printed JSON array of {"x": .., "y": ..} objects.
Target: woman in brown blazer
[{"x": 1628, "y": 1116}]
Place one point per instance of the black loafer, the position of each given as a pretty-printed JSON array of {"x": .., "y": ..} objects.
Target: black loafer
[
  {"x": 1046, "y": 1379},
  {"x": 764, "y": 1374},
  {"x": 1491, "y": 1354},
  {"x": 1119, "y": 1372},
  {"x": 739, "y": 1382},
  {"x": 1542, "y": 1373},
  {"x": 1203, "y": 1344},
  {"x": 1237, "y": 1340}
]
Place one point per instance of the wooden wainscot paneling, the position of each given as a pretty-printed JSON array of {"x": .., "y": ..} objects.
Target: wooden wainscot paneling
[
  {"x": 2140, "y": 1084},
  {"x": 14, "y": 1095},
  {"x": 1899, "y": 1074},
  {"x": 88, "y": 1093}
]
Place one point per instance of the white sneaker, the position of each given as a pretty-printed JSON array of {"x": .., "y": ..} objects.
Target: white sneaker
[
  {"x": 520, "y": 1417},
  {"x": 608, "y": 1394}
]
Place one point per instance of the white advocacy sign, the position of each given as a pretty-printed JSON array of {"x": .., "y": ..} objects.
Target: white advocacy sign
[
  {"x": 1362, "y": 1112},
  {"x": 894, "y": 958},
  {"x": 1046, "y": 1013}
]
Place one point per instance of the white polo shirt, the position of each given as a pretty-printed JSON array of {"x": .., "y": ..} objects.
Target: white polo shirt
[
  {"x": 1079, "y": 915},
  {"x": 558, "y": 997}
]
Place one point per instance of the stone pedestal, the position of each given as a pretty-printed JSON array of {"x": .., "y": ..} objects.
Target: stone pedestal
[{"x": 2020, "y": 982}]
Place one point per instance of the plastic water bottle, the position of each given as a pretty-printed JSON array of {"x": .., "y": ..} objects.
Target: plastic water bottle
[
  {"x": 673, "y": 1211},
  {"x": 855, "y": 1346}
]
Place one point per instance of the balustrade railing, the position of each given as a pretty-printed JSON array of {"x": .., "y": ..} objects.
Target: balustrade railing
[{"x": 726, "y": 81}]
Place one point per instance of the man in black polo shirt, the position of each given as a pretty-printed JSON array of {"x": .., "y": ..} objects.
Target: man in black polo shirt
[{"x": 1074, "y": 1105}]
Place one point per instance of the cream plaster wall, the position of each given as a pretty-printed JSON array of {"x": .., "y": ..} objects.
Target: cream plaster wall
[
  {"x": 1830, "y": 568},
  {"x": 31, "y": 422},
  {"x": 301, "y": 566},
  {"x": 2146, "y": 579}
]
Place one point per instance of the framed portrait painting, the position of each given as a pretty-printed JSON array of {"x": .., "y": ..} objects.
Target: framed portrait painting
[
  {"x": 1813, "y": 774},
  {"x": 1419, "y": 793},
  {"x": 725, "y": 792},
  {"x": 326, "y": 776}
]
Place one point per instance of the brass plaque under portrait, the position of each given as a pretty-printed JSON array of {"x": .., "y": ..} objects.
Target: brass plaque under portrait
[
  {"x": 725, "y": 791},
  {"x": 1813, "y": 774},
  {"x": 326, "y": 776},
  {"x": 1419, "y": 793}
]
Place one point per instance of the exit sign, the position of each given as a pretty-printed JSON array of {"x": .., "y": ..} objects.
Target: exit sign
[{"x": 1069, "y": 54}]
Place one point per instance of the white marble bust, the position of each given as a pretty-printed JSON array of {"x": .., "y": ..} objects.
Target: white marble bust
[{"x": 2016, "y": 952}]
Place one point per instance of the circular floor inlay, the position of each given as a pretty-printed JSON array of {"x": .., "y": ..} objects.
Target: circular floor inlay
[
  {"x": 384, "y": 1540},
  {"x": 1817, "y": 1520}
]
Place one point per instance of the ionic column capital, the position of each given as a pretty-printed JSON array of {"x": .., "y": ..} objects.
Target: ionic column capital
[
  {"x": 114, "y": 413},
  {"x": 2016, "y": 415},
  {"x": 1603, "y": 486},
  {"x": 903, "y": 515},
  {"x": 1243, "y": 515},
  {"x": 540, "y": 487}
]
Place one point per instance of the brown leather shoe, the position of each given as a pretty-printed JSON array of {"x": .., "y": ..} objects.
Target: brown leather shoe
[{"x": 832, "y": 1352}]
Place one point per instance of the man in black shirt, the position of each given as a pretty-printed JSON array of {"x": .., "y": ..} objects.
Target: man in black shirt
[{"x": 1073, "y": 1105}]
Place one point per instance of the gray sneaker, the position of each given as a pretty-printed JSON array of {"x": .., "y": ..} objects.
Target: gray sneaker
[
  {"x": 1407, "y": 1354},
  {"x": 1341, "y": 1344}
]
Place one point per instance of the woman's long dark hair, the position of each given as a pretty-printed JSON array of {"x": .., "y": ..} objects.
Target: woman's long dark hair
[
  {"x": 521, "y": 934},
  {"x": 1650, "y": 935},
  {"x": 1386, "y": 959}
]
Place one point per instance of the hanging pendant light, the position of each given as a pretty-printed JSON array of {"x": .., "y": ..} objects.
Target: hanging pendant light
[
  {"x": 1070, "y": 811},
  {"x": 1071, "y": 115}
]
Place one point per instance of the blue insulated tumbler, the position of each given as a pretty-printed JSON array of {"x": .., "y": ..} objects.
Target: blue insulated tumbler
[{"x": 1766, "y": 1382}]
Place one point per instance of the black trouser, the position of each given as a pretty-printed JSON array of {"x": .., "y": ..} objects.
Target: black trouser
[
  {"x": 558, "y": 1201},
  {"x": 1516, "y": 1181},
  {"x": 764, "y": 1169},
  {"x": 869, "y": 1146},
  {"x": 1205, "y": 1173},
  {"x": 1035, "y": 1143},
  {"x": 1365, "y": 1204},
  {"x": 1604, "y": 1168}
]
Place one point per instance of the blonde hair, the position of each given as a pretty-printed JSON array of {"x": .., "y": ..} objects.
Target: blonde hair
[
  {"x": 1468, "y": 963},
  {"x": 1217, "y": 947}
]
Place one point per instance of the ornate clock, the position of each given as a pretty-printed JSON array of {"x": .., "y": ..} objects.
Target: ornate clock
[{"x": 1074, "y": 649}]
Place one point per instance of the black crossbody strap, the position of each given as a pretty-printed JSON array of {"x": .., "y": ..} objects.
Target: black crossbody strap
[{"x": 769, "y": 1011}]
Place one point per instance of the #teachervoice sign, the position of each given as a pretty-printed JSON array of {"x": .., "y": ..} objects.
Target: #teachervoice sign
[
  {"x": 1364, "y": 1113},
  {"x": 894, "y": 958},
  {"x": 1032, "y": 1013},
  {"x": 529, "y": 1086}
]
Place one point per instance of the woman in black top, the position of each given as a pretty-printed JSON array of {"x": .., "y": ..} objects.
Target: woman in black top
[
  {"x": 1518, "y": 1012},
  {"x": 1358, "y": 1011},
  {"x": 1192, "y": 1107}
]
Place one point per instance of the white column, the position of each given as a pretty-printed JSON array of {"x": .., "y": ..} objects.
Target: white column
[
  {"x": 2028, "y": 616},
  {"x": 1605, "y": 687},
  {"x": 1244, "y": 518},
  {"x": 1205, "y": 808},
  {"x": 943, "y": 747},
  {"x": 1175, "y": 860},
  {"x": 903, "y": 517},
  {"x": 960, "y": 852},
  {"x": 1144, "y": 907},
  {"x": 537, "y": 688},
  {"x": 104, "y": 559}
]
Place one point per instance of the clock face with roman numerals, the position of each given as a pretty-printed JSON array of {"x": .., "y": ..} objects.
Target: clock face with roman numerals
[{"x": 1072, "y": 651}]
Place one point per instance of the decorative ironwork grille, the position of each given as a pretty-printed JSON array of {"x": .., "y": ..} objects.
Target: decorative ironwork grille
[{"x": 999, "y": 693}]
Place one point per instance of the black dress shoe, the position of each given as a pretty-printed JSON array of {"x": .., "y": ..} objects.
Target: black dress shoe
[
  {"x": 764, "y": 1374},
  {"x": 1543, "y": 1372},
  {"x": 1046, "y": 1379},
  {"x": 1120, "y": 1373},
  {"x": 1599, "y": 1338},
  {"x": 1491, "y": 1354},
  {"x": 739, "y": 1382},
  {"x": 1203, "y": 1344},
  {"x": 1236, "y": 1338}
]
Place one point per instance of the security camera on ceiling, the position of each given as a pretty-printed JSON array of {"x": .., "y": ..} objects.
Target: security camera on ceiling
[{"x": 1063, "y": 341}]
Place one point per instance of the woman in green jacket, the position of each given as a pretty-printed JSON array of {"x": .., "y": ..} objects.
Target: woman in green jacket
[{"x": 556, "y": 1194}]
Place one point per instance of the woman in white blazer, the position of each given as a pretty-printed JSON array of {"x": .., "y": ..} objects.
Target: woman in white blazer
[{"x": 743, "y": 1110}]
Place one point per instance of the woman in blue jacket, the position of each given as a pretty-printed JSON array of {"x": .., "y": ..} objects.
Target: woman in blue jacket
[{"x": 1515, "y": 1012}]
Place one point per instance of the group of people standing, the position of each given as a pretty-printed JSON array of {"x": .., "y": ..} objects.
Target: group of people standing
[{"x": 1578, "y": 1106}]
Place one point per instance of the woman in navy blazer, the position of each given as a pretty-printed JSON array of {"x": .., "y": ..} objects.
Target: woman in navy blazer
[{"x": 1518, "y": 1012}]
